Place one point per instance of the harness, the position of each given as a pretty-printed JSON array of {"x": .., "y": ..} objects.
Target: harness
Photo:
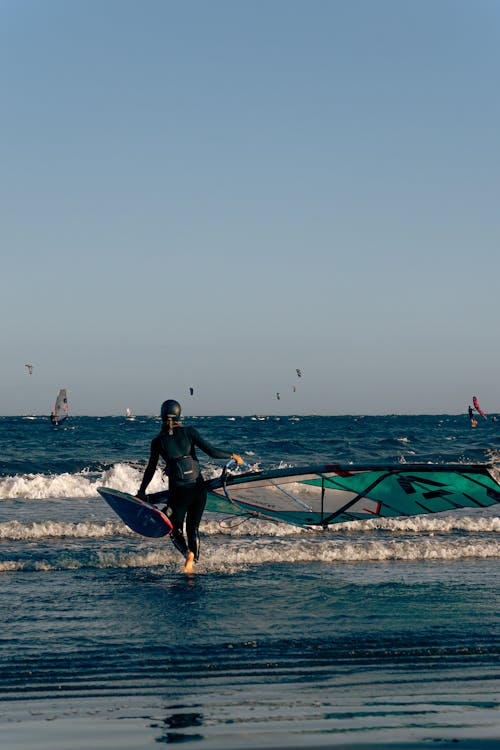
[{"x": 184, "y": 469}]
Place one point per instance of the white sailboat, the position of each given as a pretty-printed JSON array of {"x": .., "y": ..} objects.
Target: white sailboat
[{"x": 60, "y": 410}]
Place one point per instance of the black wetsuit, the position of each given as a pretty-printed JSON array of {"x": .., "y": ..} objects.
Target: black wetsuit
[{"x": 187, "y": 491}]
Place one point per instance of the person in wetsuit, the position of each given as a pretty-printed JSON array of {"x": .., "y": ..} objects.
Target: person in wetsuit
[{"x": 176, "y": 444}]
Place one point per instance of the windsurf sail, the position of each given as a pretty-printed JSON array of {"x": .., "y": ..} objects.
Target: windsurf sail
[
  {"x": 323, "y": 495},
  {"x": 60, "y": 410},
  {"x": 477, "y": 407}
]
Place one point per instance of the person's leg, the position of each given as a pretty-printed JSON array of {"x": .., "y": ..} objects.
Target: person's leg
[
  {"x": 176, "y": 512},
  {"x": 193, "y": 518}
]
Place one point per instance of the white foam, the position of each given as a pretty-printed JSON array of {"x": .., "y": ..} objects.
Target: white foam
[
  {"x": 15, "y": 530},
  {"x": 166, "y": 556},
  {"x": 42, "y": 486},
  {"x": 480, "y": 521},
  {"x": 233, "y": 557},
  {"x": 240, "y": 527},
  {"x": 435, "y": 524},
  {"x": 120, "y": 476}
]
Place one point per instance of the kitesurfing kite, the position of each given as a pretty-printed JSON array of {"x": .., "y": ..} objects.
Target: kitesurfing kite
[
  {"x": 299, "y": 373},
  {"x": 29, "y": 368},
  {"x": 477, "y": 407},
  {"x": 191, "y": 391},
  {"x": 319, "y": 496}
]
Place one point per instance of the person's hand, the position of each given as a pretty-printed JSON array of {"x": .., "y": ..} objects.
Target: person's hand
[{"x": 238, "y": 459}]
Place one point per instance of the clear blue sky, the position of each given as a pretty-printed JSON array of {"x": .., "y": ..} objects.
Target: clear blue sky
[{"x": 211, "y": 194}]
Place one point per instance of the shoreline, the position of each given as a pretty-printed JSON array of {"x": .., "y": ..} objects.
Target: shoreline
[{"x": 129, "y": 733}]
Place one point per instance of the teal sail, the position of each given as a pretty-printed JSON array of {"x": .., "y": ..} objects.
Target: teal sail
[{"x": 324, "y": 495}]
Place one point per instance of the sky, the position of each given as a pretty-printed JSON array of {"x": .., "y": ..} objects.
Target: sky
[{"x": 213, "y": 194}]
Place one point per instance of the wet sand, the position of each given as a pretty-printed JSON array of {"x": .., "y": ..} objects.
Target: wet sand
[
  {"x": 137, "y": 732},
  {"x": 242, "y": 717}
]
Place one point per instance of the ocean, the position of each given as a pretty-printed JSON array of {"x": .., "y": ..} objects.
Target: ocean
[{"x": 376, "y": 633}]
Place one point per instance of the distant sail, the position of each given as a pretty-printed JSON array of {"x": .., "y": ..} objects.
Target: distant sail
[
  {"x": 128, "y": 413},
  {"x": 478, "y": 408},
  {"x": 60, "y": 411}
]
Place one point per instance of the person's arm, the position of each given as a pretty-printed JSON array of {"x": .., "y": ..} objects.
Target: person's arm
[
  {"x": 211, "y": 450},
  {"x": 150, "y": 469}
]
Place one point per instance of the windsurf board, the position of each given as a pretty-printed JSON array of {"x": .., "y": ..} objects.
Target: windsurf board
[{"x": 138, "y": 515}]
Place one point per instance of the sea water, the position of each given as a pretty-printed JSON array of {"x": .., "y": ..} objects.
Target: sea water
[{"x": 381, "y": 631}]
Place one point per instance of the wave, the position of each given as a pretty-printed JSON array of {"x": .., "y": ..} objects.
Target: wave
[
  {"x": 16, "y": 531},
  {"x": 121, "y": 476},
  {"x": 239, "y": 527},
  {"x": 83, "y": 484},
  {"x": 125, "y": 477},
  {"x": 232, "y": 558}
]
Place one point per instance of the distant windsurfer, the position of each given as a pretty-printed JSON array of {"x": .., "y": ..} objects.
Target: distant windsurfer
[
  {"x": 473, "y": 420},
  {"x": 60, "y": 410},
  {"x": 187, "y": 491}
]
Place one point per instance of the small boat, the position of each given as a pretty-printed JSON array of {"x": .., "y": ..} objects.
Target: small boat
[{"x": 60, "y": 410}]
